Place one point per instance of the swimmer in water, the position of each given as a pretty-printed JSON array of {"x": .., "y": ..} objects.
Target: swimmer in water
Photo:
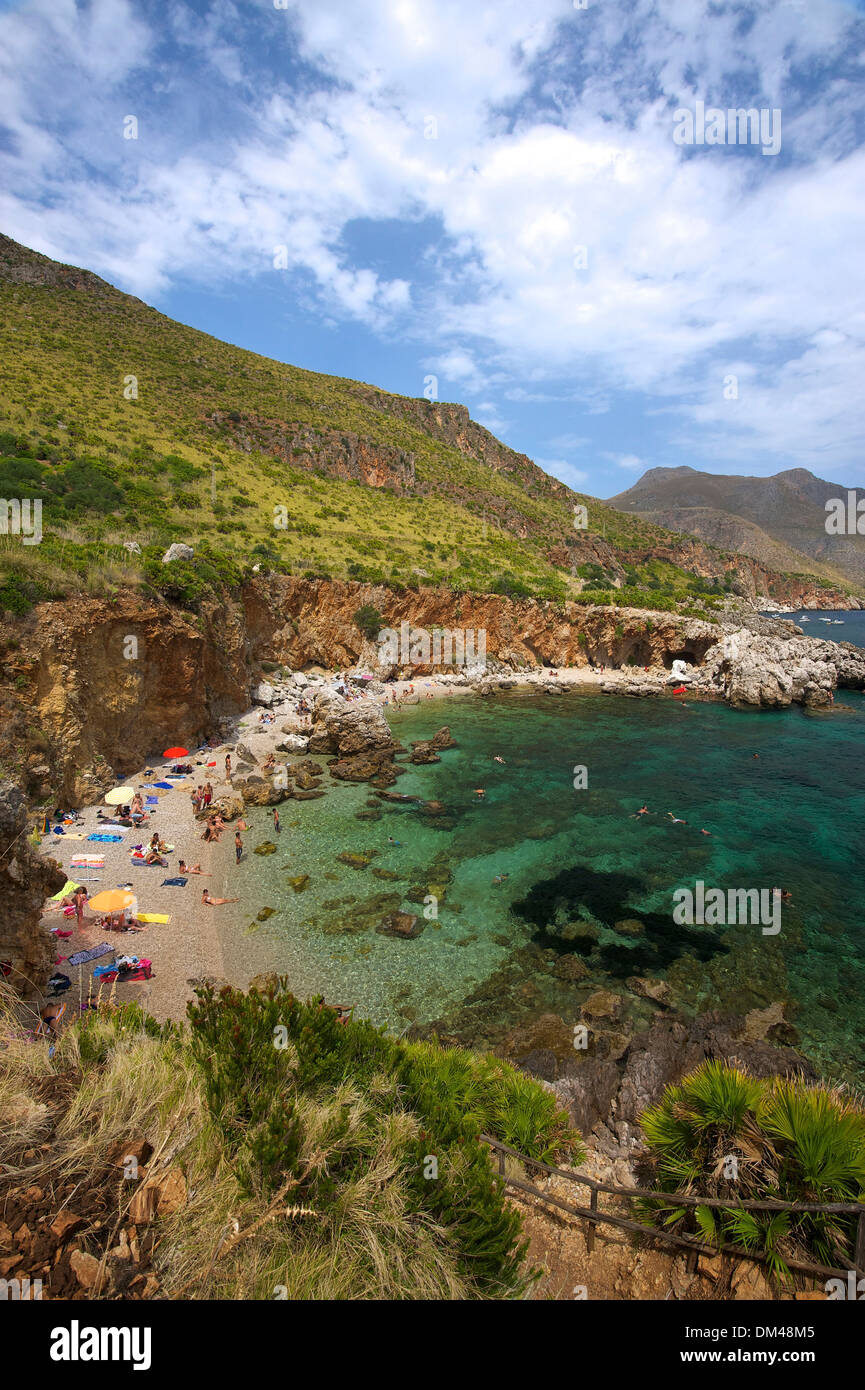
[
  {"x": 705, "y": 832},
  {"x": 677, "y": 820},
  {"x": 392, "y": 841},
  {"x": 497, "y": 759},
  {"x": 500, "y": 878},
  {"x": 480, "y": 792}
]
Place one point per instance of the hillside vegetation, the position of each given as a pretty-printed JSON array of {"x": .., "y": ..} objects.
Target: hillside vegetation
[{"x": 132, "y": 428}]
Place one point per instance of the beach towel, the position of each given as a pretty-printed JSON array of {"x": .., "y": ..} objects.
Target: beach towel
[
  {"x": 106, "y": 839},
  {"x": 82, "y": 957},
  {"x": 57, "y": 931},
  {"x": 152, "y": 801},
  {"x": 87, "y": 861},
  {"x": 69, "y": 887},
  {"x": 173, "y": 883},
  {"x": 75, "y": 835},
  {"x": 161, "y": 917}
]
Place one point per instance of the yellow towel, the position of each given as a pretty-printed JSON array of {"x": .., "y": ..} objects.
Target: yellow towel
[{"x": 154, "y": 917}]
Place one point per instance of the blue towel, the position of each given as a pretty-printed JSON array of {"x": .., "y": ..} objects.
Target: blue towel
[
  {"x": 173, "y": 883},
  {"x": 151, "y": 801},
  {"x": 82, "y": 957},
  {"x": 106, "y": 839}
]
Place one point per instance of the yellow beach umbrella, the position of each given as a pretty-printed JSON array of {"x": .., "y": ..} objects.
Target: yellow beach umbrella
[
  {"x": 119, "y": 795},
  {"x": 111, "y": 900}
]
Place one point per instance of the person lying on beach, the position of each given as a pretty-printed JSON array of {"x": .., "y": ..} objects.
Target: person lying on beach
[
  {"x": 216, "y": 902},
  {"x": 184, "y": 868},
  {"x": 269, "y": 762},
  {"x": 210, "y": 833},
  {"x": 50, "y": 1018}
]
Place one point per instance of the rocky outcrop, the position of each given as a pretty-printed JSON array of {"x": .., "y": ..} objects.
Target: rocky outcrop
[
  {"x": 605, "y": 1093},
  {"x": 748, "y": 668},
  {"x": 26, "y": 880}
]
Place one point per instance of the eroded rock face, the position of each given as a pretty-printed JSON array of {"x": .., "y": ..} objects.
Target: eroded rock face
[
  {"x": 601, "y": 1091},
  {"x": 753, "y": 668},
  {"x": 26, "y": 880}
]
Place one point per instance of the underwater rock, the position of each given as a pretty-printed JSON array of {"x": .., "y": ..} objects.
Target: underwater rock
[
  {"x": 306, "y": 782},
  {"x": 362, "y": 918},
  {"x": 570, "y": 968},
  {"x": 300, "y": 882},
  {"x": 647, "y": 988},
  {"x": 404, "y": 924},
  {"x": 266, "y": 847},
  {"x": 265, "y": 912},
  {"x": 630, "y": 926},
  {"x": 424, "y": 753},
  {"x": 307, "y": 796},
  {"x": 396, "y": 796},
  {"x": 434, "y": 808},
  {"x": 367, "y": 815},
  {"x": 579, "y": 931},
  {"x": 387, "y": 874},
  {"x": 443, "y": 739},
  {"x": 357, "y": 860},
  {"x": 603, "y": 1004}
]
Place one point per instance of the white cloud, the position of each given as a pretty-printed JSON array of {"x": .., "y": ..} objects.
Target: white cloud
[{"x": 554, "y": 132}]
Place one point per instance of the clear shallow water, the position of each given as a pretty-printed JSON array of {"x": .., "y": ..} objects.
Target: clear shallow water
[{"x": 794, "y": 816}]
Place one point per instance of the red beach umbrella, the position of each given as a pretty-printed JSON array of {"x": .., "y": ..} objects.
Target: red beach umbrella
[{"x": 176, "y": 753}]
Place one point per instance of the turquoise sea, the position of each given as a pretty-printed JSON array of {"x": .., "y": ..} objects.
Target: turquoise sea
[{"x": 497, "y": 955}]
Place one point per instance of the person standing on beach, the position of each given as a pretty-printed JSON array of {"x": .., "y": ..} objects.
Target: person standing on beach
[
  {"x": 238, "y": 846},
  {"x": 228, "y": 767},
  {"x": 208, "y": 793},
  {"x": 276, "y": 819}
]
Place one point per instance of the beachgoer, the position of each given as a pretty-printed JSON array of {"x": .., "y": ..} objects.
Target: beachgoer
[
  {"x": 184, "y": 868},
  {"x": 497, "y": 759},
  {"x": 228, "y": 767},
  {"x": 705, "y": 832},
  {"x": 276, "y": 824},
  {"x": 677, "y": 820},
  {"x": 393, "y": 841},
  {"x": 216, "y": 902},
  {"x": 238, "y": 846},
  {"x": 241, "y": 824},
  {"x": 500, "y": 878},
  {"x": 208, "y": 794},
  {"x": 480, "y": 793}
]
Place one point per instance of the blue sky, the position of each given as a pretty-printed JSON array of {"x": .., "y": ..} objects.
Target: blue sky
[{"x": 425, "y": 172}]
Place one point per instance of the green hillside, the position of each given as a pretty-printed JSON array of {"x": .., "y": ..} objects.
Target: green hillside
[{"x": 133, "y": 428}]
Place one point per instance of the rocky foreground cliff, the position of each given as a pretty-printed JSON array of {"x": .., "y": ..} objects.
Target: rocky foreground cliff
[{"x": 92, "y": 687}]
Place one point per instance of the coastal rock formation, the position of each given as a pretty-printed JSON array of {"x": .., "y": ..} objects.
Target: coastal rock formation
[
  {"x": 26, "y": 880},
  {"x": 611, "y": 1094},
  {"x": 749, "y": 668}
]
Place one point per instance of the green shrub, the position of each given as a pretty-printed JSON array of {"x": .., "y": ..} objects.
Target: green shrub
[
  {"x": 272, "y": 1066},
  {"x": 369, "y": 620},
  {"x": 723, "y": 1133}
]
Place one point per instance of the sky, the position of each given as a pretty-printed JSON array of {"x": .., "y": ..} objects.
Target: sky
[{"x": 501, "y": 204}]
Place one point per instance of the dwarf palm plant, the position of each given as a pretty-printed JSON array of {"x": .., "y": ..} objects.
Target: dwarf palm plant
[{"x": 722, "y": 1133}]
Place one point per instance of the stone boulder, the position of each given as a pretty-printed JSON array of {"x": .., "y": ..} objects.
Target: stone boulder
[
  {"x": 177, "y": 551},
  {"x": 263, "y": 694},
  {"x": 404, "y": 924}
]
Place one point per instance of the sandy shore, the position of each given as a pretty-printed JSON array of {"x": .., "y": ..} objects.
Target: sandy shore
[{"x": 199, "y": 940}]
